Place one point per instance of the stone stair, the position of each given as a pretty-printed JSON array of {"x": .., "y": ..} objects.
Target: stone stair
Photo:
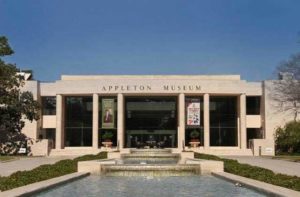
[
  {"x": 150, "y": 170},
  {"x": 73, "y": 152},
  {"x": 149, "y": 162},
  {"x": 150, "y": 156}
]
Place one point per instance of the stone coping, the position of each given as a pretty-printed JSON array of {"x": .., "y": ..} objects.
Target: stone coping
[
  {"x": 266, "y": 188},
  {"x": 37, "y": 187},
  {"x": 198, "y": 77}
]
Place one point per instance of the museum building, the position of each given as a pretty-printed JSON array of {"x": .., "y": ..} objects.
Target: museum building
[{"x": 214, "y": 114}]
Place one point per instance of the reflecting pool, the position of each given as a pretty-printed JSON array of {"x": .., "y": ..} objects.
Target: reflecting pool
[{"x": 186, "y": 186}]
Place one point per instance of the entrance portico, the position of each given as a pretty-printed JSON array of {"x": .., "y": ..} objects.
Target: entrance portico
[{"x": 151, "y": 111}]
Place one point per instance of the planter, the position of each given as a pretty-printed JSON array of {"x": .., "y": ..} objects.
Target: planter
[
  {"x": 107, "y": 144},
  {"x": 194, "y": 144}
]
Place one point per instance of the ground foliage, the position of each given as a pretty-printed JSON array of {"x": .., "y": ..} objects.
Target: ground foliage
[
  {"x": 254, "y": 172},
  {"x": 287, "y": 138},
  {"x": 45, "y": 172}
]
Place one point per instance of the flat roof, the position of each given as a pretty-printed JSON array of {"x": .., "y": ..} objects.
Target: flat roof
[{"x": 200, "y": 77}]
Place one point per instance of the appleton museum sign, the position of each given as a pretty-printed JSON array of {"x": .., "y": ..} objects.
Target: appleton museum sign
[{"x": 138, "y": 88}]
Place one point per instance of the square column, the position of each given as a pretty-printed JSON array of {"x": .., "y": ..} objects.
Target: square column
[
  {"x": 95, "y": 121},
  {"x": 59, "y": 122},
  {"x": 181, "y": 116},
  {"x": 120, "y": 135},
  {"x": 242, "y": 123},
  {"x": 206, "y": 121}
]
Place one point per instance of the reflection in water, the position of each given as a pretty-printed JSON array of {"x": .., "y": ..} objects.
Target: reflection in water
[{"x": 150, "y": 187}]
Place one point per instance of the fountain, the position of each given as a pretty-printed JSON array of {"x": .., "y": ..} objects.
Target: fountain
[
  {"x": 151, "y": 156},
  {"x": 150, "y": 162},
  {"x": 150, "y": 172}
]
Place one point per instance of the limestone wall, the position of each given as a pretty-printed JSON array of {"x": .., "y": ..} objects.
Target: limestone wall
[{"x": 273, "y": 115}]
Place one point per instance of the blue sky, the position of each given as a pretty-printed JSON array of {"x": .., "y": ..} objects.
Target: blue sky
[{"x": 247, "y": 37}]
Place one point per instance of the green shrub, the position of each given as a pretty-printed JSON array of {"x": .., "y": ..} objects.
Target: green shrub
[
  {"x": 101, "y": 155},
  {"x": 207, "y": 157},
  {"x": 107, "y": 135},
  {"x": 194, "y": 134},
  {"x": 45, "y": 172},
  {"x": 287, "y": 139},
  {"x": 254, "y": 172}
]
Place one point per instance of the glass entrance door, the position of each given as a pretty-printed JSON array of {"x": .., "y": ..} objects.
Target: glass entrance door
[{"x": 151, "y": 122}]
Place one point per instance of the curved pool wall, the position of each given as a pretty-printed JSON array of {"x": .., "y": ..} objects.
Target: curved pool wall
[
  {"x": 184, "y": 186},
  {"x": 151, "y": 170},
  {"x": 150, "y": 158}
]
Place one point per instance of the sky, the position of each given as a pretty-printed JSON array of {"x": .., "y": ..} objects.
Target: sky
[{"x": 71, "y": 37}]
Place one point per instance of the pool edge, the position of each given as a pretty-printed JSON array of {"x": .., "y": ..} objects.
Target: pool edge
[
  {"x": 258, "y": 186},
  {"x": 35, "y": 188}
]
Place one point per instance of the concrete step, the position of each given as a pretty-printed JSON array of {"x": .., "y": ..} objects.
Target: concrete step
[
  {"x": 151, "y": 151},
  {"x": 143, "y": 161},
  {"x": 150, "y": 170},
  {"x": 73, "y": 152},
  {"x": 150, "y": 155}
]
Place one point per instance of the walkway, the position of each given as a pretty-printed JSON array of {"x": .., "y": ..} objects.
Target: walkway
[
  {"x": 28, "y": 163},
  {"x": 278, "y": 166}
]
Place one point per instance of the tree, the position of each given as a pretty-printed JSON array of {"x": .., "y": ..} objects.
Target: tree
[
  {"x": 15, "y": 105},
  {"x": 287, "y": 139},
  {"x": 286, "y": 90}
]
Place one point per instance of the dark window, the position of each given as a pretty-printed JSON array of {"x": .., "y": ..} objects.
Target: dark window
[
  {"x": 253, "y": 133},
  {"x": 253, "y": 105},
  {"x": 223, "y": 121},
  {"x": 49, "y": 105},
  {"x": 188, "y": 137},
  {"x": 78, "y": 120},
  {"x": 50, "y": 135},
  {"x": 151, "y": 122}
]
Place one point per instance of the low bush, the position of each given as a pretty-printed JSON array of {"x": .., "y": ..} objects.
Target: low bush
[
  {"x": 45, "y": 172},
  {"x": 254, "y": 172}
]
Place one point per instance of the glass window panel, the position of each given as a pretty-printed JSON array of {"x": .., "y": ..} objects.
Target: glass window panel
[
  {"x": 223, "y": 121},
  {"x": 223, "y": 136},
  {"x": 49, "y": 105},
  {"x": 253, "y": 133},
  {"x": 78, "y": 120},
  {"x": 253, "y": 105},
  {"x": 151, "y": 121},
  {"x": 50, "y": 135}
]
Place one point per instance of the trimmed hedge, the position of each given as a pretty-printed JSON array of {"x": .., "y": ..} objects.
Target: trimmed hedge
[
  {"x": 45, "y": 172},
  {"x": 254, "y": 172}
]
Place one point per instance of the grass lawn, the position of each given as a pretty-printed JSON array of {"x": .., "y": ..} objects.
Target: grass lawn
[
  {"x": 7, "y": 158},
  {"x": 288, "y": 157}
]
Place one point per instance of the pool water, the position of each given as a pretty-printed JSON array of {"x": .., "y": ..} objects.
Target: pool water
[{"x": 184, "y": 186}]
